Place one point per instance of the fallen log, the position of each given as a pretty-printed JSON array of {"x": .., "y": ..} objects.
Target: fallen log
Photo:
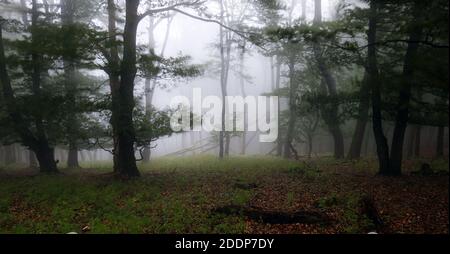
[{"x": 274, "y": 217}]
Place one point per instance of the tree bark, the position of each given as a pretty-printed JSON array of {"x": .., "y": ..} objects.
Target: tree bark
[
  {"x": 38, "y": 144},
  {"x": 331, "y": 116},
  {"x": 292, "y": 111},
  {"x": 225, "y": 41},
  {"x": 363, "y": 116},
  {"x": 372, "y": 70},
  {"x": 67, "y": 12},
  {"x": 277, "y": 86},
  {"x": 72, "y": 158},
  {"x": 242, "y": 83},
  {"x": 124, "y": 124},
  {"x": 404, "y": 98},
  {"x": 114, "y": 81},
  {"x": 150, "y": 83}
]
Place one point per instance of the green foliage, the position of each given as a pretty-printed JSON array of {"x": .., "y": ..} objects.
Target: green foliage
[
  {"x": 175, "y": 202},
  {"x": 151, "y": 125},
  {"x": 173, "y": 69}
]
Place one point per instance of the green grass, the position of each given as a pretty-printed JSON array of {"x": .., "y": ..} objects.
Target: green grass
[{"x": 175, "y": 195}]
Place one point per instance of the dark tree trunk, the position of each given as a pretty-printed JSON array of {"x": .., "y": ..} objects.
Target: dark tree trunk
[
  {"x": 277, "y": 85},
  {"x": 67, "y": 11},
  {"x": 401, "y": 120},
  {"x": 115, "y": 104},
  {"x": 372, "y": 70},
  {"x": 124, "y": 124},
  {"x": 39, "y": 145},
  {"x": 46, "y": 158},
  {"x": 292, "y": 111},
  {"x": 72, "y": 158},
  {"x": 242, "y": 84},
  {"x": 363, "y": 116},
  {"x": 44, "y": 152},
  {"x": 114, "y": 81},
  {"x": 332, "y": 111},
  {"x": 440, "y": 142}
]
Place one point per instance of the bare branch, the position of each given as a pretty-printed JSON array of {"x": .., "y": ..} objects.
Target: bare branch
[
  {"x": 240, "y": 33},
  {"x": 169, "y": 8}
]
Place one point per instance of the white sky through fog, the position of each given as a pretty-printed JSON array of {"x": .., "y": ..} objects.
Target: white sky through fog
[{"x": 193, "y": 37}]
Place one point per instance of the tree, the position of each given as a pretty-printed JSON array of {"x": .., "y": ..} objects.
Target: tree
[
  {"x": 330, "y": 113},
  {"x": 151, "y": 82},
  {"x": 409, "y": 67},
  {"x": 122, "y": 90},
  {"x": 373, "y": 76},
  {"x": 38, "y": 141}
]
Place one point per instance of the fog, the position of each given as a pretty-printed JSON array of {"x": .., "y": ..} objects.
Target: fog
[{"x": 198, "y": 39}]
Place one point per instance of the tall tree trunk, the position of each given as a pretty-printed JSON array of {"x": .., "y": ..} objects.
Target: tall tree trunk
[
  {"x": 372, "y": 70},
  {"x": 401, "y": 119},
  {"x": 288, "y": 147},
  {"x": 242, "y": 84},
  {"x": 277, "y": 86},
  {"x": 67, "y": 11},
  {"x": 292, "y": 111},
  {"x": 440, "y": 142},
  {"x": 45, "y": 154},
  {"x": 124, "y": 124},
  {"x": 363, "y": 116},
  {"x": 332, "y": 111},
  {"x": 150, "y": 83},
  {"x": 114, "y": 81},
  {"x": 149, "y": 89},
  {"x": 40, "y": 146},
  {"x": 224, "y": 67}
]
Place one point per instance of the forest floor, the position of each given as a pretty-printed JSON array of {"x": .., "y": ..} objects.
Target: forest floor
[{"x": 201, "y": 194}]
